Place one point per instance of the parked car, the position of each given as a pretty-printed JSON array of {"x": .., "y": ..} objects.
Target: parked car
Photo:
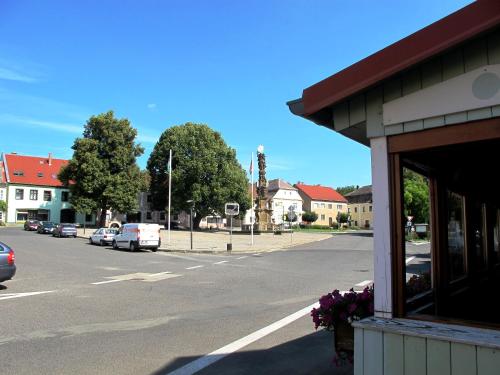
[
  {"x": 64, "y": 230},
  {"x": 31, "y": 225},
  {"x": 7, "y": 262},
  {"x": 138, "y": 236},
  {"x": 103, "y": 236},
  {"x": 45, "y": 227}
]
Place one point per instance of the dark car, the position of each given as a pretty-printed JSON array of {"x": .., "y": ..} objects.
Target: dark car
[
  {"x": 64, "y": 230},
  {"x": 7, "y": 262},
  {"x": 31, "y": 225},
  {"x": 45, "y": 227}
]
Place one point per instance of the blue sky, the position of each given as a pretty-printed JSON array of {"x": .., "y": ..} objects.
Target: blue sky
[{"x": 229, "y": 64}]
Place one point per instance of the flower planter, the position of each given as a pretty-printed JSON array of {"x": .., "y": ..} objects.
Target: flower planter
[{"x": 343, "y": 334}]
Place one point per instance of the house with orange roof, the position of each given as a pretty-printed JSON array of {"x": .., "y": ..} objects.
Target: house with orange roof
[
  {"x": 323, "y": 200},
  {"x": 32, "y": 190}
]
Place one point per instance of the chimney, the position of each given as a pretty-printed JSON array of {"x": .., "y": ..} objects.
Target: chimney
[{"x": 50, "y": 158}]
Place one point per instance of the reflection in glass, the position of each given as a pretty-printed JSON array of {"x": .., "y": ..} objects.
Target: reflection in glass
[
  {"x": 456, "y": 240},
  {"x": 417, "y": 245}
]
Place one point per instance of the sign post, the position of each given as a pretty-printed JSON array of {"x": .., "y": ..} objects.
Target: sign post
[
  {"x": 291, "y": 217},
  {"x": 231, "y": 209}
]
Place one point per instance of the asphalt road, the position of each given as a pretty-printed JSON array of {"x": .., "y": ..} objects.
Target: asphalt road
[{"x": 75, "y": 308}]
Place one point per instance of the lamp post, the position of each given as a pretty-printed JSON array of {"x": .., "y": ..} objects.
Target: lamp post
[{"x": 191, "y": 206}]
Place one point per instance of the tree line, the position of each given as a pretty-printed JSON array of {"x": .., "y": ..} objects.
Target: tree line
[{"x": 103, "y": 173}]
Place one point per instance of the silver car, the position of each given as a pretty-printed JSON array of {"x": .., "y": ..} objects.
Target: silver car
[
  {"x": 7, "y": 262},
  {"x": 103, "y": 236}
]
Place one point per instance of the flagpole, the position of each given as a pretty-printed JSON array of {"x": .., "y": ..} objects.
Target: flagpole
[
  {"x": 169, "y": 190},
  {"x": 252, "y": 210}
]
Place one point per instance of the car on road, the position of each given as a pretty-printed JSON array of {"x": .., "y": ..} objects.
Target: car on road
[
  {"x": 138, "y": 236},
  {"x": 45, "y": 227},
  {"x": 64, "y": 230},
  {"x": 31, "y": 225},
  {"x": 103, "y": 236},
  {"x": 7, "y": 262}
]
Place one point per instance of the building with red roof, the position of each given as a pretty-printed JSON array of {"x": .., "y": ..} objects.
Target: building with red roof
[
  {"x": 324, "y": 200},
  {"x": 32, "y": 189}
]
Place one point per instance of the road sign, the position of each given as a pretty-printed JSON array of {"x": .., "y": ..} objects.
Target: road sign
[
  {"x": 291, "y": 213},
  {"x": 232, "y": 209}
]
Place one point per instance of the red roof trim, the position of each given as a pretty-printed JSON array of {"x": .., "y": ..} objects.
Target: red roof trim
[
  {"x": 458, "y": 27},
  {"x": 321, "y": 193}
]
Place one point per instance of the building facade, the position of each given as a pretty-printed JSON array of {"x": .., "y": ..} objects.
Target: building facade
[
  {"x": 282, "y": 196},
  {"x": 33, "y": 191},
  {"x": 360, "y": 207},
  {"x": 323, "y": 200},
  {"x": 429, "y": 103}
]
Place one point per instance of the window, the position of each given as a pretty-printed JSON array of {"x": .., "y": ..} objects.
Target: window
[
  {"x": 1, "y": 215},
  {"x": 18, "y": 173},
  {"x": 349, "y": 209},
  {"x": 330, "y": 206},
  {"x": 21, "y": 216},
  {"x": 88, "y": 218},
  {"x": 339, "y": 206},
  {"x": 355, "y": 209},
  {"x": 364, "y": 209},
  {"x": 1, "y": 195},
  {"x": 39, "y": 174},
  {"x": 64, "y": 196},
  {"x": 316, "y": 205},
  {"x": 456, "y": 235},
  {"x": 149, "y": 216},
  {"x": 323, "y": 205},
  {"x": 370, "y": 208},
  {"x": 47, "y": 195},
  {"x": 19, "y": 194},
  {"x": 33, "y": 195},
  {"x": 322, "y": 217}
]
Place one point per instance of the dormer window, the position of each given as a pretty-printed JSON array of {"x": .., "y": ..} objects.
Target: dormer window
[
  {"x": 39, "y": 174},
  {"x": 18, "y": 173}
]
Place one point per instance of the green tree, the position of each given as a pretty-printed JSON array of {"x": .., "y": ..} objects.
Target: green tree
[
  {"x": 346, "y": 189},
  {"x": 309, "y": 216},
  {"x": 416, "y": 196},
  {"x": 3, "y": 206},
  {"x": 204, "y": 169},
  {"x": 103, "y": 173},
  {"x": 342, "y": 217}
]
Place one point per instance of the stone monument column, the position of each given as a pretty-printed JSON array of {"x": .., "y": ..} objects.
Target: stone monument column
[{"x": 263, "y": 214}]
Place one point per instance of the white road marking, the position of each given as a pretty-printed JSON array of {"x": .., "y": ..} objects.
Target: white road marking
[
  {"x": 139, "y": 276},
  {"x": 194, "y": 267},
  {"x": 408, "y": 260},
  {"x": 256, "y": 255},
  {"x": 221, "y": 262},
  {"x": 217, "y": 355},
  {"x": 243, "y": 257},
  {"x": 20, "y": 295},
  {"x": 364, "y": 283},
  {"x": 159, "y": 273},
  {"x": 106, "y": 282}
]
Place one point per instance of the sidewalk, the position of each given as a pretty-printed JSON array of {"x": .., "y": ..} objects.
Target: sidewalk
[{"x": 216, "y": 242}]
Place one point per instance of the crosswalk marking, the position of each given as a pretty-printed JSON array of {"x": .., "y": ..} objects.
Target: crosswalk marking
[
  {"x": 194, "y": 267},
  {"x": 221, "y": 262}
]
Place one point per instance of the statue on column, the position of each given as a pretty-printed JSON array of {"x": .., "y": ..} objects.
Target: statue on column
[{"x": 263, "y": 214}]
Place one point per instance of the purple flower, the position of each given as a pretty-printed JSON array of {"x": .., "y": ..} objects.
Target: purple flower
[{"x": 351, "y": 308}]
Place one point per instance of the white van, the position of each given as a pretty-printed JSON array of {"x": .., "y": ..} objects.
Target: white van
[{"x": 138, "y": 236}]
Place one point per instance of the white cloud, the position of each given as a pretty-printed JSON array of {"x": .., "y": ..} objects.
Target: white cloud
[
  {"x": 11, "y": 75},
  {"x": 152, "y": 106},
  {"x": 31, "y": 122}
]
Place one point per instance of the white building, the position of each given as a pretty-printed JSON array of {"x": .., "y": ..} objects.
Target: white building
[
  {"x": 33, "y": 191},
  {"x": 281, "y": 197}
]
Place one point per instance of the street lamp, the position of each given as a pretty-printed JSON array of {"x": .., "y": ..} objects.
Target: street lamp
[{"x": 191, "y": 207}]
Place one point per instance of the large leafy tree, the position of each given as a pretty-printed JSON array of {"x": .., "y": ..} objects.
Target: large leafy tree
[
  {"x": 103, "y": 173},
  {"x": 309, "y": 216},
  {"x": 204, "y": 169},
  {"x": 416, "y": 196}
]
